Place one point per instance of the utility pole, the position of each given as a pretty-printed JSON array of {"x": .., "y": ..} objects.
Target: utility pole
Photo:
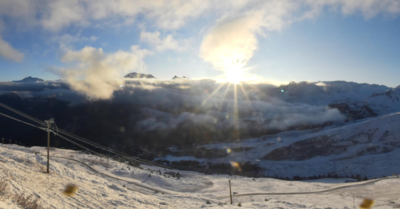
[
  {"x": 10, "y": 140},
  {"x": 48, "y": 122},
  {"x": 230, "y": 191}
]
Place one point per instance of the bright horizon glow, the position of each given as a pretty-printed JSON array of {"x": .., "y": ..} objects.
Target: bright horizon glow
[
  {"x": 235, "y": 70},
  {"x": 235, "y": 74}
]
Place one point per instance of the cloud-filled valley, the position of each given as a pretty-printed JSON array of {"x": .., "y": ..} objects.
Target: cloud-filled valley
[{"x": 245, "y": 110}]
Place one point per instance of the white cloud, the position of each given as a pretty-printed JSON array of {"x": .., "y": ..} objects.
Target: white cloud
[
  {"x": 164, "y": 14},
  {"x": 17, "y": 8},
  {"x": 167, "y": 43},
  {"x": 97, "y": 74},
  {"x": 7, "y": 51},
  {"x": 369, "y": 8},
  {"x": 172, "y": 14},
  {"x": 59, "y": 14},
  {"x": 67, "y": 39},
  {"x": 234, "y": 19},
  {"x": 233, "y": 39}
]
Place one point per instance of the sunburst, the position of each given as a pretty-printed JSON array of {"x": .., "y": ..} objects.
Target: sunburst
[{"x": 235, "y": 74}]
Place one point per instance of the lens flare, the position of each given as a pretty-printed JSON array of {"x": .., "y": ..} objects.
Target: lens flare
[
  {"x": 367, "y": 203},
  {"x": 70, "y": 190},
  {"x": 236, "y": 165}
]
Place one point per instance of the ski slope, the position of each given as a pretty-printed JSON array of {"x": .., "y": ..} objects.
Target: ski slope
[{"x": 104, "y": 188}]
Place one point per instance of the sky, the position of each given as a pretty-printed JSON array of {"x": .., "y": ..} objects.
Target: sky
[{"x": 89, "y": 42}]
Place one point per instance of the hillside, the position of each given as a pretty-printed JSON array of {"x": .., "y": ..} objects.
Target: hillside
[
  {"x": 29, "y": 79},
  {"x": 367, "y": 147},
  {"x": 23, "y": 171}
]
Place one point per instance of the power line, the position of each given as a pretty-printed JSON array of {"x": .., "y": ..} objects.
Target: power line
[
  {"x": 78, "y": 138},
  {"x": 20, "y": 121},
  {"x": 22, "y": 114},
  {"x": 65, "y": 132},
  {"x": 80, "y": 145},
  {"x": 85, "y": 148}
]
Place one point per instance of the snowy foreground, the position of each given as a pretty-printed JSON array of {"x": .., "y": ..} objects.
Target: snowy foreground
[{"x": 24, "y": 169}]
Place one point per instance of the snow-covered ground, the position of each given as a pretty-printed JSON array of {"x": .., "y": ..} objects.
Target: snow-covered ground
[
  {"x": 24, "y": 171},
  {"x": 368, "y": 147}
]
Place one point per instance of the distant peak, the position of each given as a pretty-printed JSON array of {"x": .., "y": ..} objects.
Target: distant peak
[
  {"x": 29, "y": 79},
  {"x": 138, "y": 75},
  {"x": 183, "y": 77}
]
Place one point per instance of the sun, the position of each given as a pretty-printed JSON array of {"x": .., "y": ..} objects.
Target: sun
[{"x": 234, "y": 74}]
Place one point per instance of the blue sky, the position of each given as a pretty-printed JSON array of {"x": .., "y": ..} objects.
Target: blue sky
[{"x": 295, "y": 41}]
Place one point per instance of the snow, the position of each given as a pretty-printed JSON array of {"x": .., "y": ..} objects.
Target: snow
[
  {"x": 192, "y": 190},
  {"x": 368, "y": 144}
]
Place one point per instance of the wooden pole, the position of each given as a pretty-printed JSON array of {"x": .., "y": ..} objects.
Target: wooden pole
[
  {"x": 48, "y": 147},
  {"x": 230, "y": 190}
]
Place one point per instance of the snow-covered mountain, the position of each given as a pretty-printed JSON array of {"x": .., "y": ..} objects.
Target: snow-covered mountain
[
  {"x": 356, "y": 100},
  {"x": 138, "y": 75},
  {"x": 369, "y": 147},
  {"x": 29, "y": 79},
  {"x": 180, "y": 78}
]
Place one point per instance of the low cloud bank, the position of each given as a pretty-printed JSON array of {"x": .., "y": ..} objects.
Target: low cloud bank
[{"x": 167, "y": 105}]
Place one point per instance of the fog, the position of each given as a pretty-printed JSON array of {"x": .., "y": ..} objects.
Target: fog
[{"x": 168, "y": 104}]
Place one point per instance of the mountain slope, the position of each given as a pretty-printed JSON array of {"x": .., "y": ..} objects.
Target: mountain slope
[
  {"x": 355, "y": 100},
  {"x": 23, "y": 171},
  {"x": 354, "y": 148},
  {"x": 138, "y": 75},
  {"x": 29, "y": 79}
]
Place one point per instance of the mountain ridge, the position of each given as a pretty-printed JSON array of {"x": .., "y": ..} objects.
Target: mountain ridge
[
  {"x": 29, "y": 79},
  {"x": 139, "y": 75}
]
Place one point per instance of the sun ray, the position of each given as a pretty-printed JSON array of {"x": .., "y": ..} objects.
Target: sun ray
[
  {"x": 235, "y": 113},
  {"x": 247, "y": 97},
  {"x": 255, "y": 88},
  {"x": 223, "y": 97},
  {"x": 209, "y": 97}
]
